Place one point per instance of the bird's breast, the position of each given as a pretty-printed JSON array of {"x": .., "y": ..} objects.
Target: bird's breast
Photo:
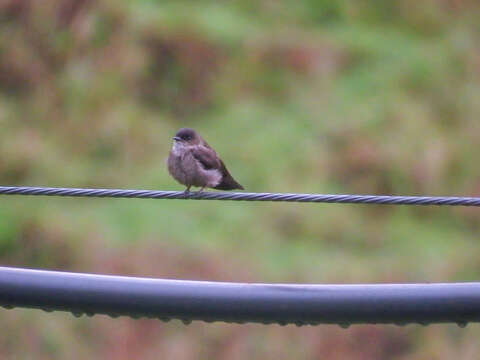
[
  {"x": 188, "y": 171},
  {"x": 183, "y": 167}
]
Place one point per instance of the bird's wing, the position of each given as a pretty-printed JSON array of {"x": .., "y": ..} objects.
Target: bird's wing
[{"x": 207, "y": 157}]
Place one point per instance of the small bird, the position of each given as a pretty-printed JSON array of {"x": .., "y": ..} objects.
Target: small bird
[{"x": 192, "y": 162}]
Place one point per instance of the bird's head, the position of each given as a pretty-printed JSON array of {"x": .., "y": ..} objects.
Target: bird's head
[{"x": 186, "y": 137}]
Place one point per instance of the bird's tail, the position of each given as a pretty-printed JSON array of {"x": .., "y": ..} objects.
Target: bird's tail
[{"x": 228, "y": 183}]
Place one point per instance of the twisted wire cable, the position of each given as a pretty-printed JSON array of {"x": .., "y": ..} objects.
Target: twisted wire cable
[{"x": 237, "y": 196}]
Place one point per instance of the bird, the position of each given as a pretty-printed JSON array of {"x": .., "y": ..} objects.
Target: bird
[{"x": 192, "y": 162}]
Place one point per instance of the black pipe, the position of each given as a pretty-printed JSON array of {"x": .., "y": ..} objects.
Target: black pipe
[{"x": 235, "y": 302}]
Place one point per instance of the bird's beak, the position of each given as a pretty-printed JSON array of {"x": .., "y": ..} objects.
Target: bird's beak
[{"x": 176, "y": 138}]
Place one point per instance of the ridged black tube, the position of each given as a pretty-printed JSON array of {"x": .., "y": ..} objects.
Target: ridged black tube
[
  {"x": 283, "y": 197},
  {"x": 235, "y": 302}
]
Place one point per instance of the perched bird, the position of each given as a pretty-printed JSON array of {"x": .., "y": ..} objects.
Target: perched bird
[{"x": 192, "y": 162}]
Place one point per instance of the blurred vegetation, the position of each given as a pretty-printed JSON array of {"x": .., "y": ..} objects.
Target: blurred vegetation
[{"x": 297, "y": 96}]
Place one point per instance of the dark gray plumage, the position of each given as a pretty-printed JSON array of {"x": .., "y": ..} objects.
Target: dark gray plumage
[{"x": 192, "y": 162}]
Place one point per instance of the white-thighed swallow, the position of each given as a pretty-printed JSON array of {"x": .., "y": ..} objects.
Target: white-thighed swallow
[{"x": 192, "y": 162}]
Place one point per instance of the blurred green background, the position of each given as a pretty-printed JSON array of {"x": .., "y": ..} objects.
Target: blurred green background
[{"x": 360, "y": 96}]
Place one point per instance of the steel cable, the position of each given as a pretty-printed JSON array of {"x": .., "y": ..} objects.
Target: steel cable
[{"x": 237, "y": 196}]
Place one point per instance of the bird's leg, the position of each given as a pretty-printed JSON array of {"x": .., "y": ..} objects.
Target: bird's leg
[
  {"x": 187, "y": 190},
  {"x": 201, "y": 190}
]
